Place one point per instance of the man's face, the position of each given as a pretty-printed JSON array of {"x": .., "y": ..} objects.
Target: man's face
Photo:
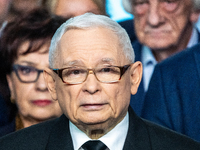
[
  {"x": 92, "y": 103},
  {"x": 160, "y": 24}
]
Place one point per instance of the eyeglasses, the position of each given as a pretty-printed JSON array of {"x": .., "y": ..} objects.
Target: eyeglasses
[
  {"x": 77, "y": 75},
  {"x": 27, "y": 74}
]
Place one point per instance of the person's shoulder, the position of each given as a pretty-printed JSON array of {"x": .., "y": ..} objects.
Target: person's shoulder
[
  {"x": 168, "y": 139},
  {"x": 32, "y": 137},
  {"x": 181, "y": 58}
]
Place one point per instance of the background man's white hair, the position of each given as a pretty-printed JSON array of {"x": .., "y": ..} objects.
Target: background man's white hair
[{"x": 88, "y": 21}]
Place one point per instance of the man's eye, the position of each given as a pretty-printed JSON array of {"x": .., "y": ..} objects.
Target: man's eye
[
  {"x": 76, "y": 72},
  {"x": 71, "y": 72},
  {"x": 170, "y": 5},
  {"x": 141, "y": 2},
  {"x": 109, "y": 70},
  {"x": 106, "y": 70},
  {"x": 170, "y": 1}
]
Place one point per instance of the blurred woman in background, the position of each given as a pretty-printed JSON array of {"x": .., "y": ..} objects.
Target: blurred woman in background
[{"x": 24, "y": 46}]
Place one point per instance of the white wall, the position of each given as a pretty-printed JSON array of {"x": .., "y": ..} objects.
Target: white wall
[{"x": 116, "y": 11}]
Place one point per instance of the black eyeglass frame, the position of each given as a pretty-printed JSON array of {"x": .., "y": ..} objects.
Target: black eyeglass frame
[
  {"x": 15, "y": 68},
  {"x": 123, "y": 69}
]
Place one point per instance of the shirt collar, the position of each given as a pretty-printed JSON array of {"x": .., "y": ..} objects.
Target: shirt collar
[
  {"x": 194, "y": 38},
  {"x": 147, "y": 56},
  {"x": 110, "y": 139}
]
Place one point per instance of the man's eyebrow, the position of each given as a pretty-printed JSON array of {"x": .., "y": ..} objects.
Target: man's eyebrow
[
  {"x": 80, "y": 63},
  {"x": 139, "y": 1},
  {"x": 27, "y": 62},
  {"x": 107, "y": 60},
  {"x": 72, "y": 63}
]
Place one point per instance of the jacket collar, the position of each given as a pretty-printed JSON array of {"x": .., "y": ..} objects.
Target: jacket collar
[
  {"x": 137, "y": 137},
  {"x": 60, "y": 137}
]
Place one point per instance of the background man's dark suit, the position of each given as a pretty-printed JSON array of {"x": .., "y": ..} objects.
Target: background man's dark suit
[
  {"x": 173, "y": 98},
  {"x": 54, "y": 135}
]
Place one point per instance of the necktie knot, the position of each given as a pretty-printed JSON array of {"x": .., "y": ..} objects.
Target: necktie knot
[{"x": 94, "y": 145}]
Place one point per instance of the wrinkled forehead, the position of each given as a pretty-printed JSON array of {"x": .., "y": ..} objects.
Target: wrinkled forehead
[{"x": 90, "y": 45}]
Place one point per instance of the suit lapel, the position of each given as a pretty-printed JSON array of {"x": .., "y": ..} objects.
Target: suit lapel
[
  {"x": 60, "y": 137},
  {"x": 137, "y": 137}
]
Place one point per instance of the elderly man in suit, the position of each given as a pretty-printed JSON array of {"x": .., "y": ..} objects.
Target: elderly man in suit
[
  {"x": 163, "y": 28},
  {"x": 92, "y": 74},
  {"x": 173, "y": 98}
]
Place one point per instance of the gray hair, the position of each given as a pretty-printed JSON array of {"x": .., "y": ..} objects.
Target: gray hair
[
  {"x": 128, "y": 6},
  {"x": 88, "y": 21}
]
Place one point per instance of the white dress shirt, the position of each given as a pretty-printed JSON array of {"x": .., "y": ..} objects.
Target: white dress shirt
[
  {"x": 149, "y": 62},
  {"x": 114, "y": 139}
]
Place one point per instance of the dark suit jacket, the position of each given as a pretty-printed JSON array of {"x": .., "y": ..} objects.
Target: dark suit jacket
[
  {"x": 55, "y": 135},
  {"x": 4, "y": 118},
  {"x": 2, "y": 111},
  {"x": 137, "y": 100},
  {"x": 8, "y": 128},
  {"x": 173, "y": 98}
]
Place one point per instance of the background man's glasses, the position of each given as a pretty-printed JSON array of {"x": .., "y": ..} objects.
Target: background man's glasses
[
  {"x": 105, "y": 74},
  {"x": 27, "y": 74}
]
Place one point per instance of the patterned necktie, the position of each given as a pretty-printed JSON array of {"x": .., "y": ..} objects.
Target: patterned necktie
[{"x": 94, "y": 145}]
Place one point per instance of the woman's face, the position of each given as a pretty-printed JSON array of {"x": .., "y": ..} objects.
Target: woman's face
[{"x": 33, "y": 99}]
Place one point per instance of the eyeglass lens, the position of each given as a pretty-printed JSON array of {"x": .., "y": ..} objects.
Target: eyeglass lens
[{"x": 27, "y": 73}]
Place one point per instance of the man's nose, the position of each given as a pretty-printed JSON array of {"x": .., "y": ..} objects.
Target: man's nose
[
  {"x": 154, "y": 15},
  {"x": 91, "y": 85}
]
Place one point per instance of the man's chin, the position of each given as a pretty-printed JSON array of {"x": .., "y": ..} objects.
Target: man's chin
[{"x": 158, "y": 46}]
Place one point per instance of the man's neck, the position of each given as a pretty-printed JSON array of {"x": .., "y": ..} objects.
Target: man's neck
[{"x": 163, "y": 53}]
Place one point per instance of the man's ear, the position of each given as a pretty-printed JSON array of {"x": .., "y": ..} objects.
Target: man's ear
[
  {"x": 136, "y": 76},
  {"x": 50, "y": 82},
  {"x": 194, "y": 16}
]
